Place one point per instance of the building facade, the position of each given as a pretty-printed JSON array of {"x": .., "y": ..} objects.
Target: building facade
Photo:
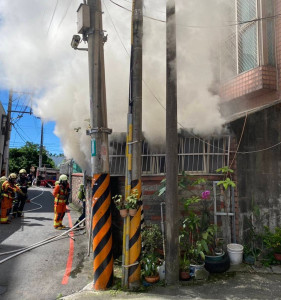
[{"x": 251, "y": 102}]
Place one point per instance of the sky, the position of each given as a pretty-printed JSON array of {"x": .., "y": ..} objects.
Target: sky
[
  {"x": 28, "y": 127},
  {"x": 35, "y": 55}
]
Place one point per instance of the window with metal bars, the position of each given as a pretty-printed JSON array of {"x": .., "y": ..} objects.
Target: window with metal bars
[{"x": 195, "y": 155}]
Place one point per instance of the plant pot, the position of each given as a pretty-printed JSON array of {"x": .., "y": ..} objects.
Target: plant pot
[
  {"x": 249, "y": 259},
  {"x": 277, "y": 256},
  {"x": 214, "y": 257},
  {"x": 132, "y": 211},
  {"x": 152, "y": 279},
  {"x": 195, "y": 268},
  {"x": 123, "y": 213},
  {"x": 218, "y": 266},
  {"x": 184, "y": 275}
]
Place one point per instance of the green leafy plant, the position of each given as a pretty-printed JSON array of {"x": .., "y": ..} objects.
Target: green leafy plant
[
  {"x": 272, "y": 240},
  {"x": 227, "y": 182},
  {"x": 149, "y": 265},
  {"x": 214, "y": 244},
  {"x": 151, "y": 238},
  {"x": 132, "y": 200},
  {"x": 118, "y": 201},
  {"x": 184, "y": 263}
]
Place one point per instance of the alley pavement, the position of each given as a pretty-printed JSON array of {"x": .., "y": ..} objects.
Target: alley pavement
[
  {"x": 59, "y": 267},
  {"x": 240, "y": 282}
]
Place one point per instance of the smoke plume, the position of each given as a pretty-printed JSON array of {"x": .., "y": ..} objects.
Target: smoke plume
[{"x": 36, "y": 54}]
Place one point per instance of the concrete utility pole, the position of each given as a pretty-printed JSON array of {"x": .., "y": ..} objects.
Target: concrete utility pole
[
  {"x": 8, "y": 133},
  {"x": 102, "y": 237},
  {"x": 172, "y": 205},
  {"x": 132, "y": 225}
]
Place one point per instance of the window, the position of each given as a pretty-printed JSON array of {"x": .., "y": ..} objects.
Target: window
[
  {"x": 195, "y": 155},
  {"x": 247, "y": 35},
  {"x": 249, "y": 44}
]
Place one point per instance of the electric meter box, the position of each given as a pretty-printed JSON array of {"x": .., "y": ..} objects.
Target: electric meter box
[{"x": 83, "y": 18}]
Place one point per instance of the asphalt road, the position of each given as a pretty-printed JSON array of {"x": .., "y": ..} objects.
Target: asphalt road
[{"x": 42, "y": 273}]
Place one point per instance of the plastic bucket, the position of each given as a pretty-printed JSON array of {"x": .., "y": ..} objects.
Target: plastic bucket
[{"x": 235, "y": 252}]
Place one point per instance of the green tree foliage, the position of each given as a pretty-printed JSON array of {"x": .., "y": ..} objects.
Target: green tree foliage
[{"x": 27, "y": 156}]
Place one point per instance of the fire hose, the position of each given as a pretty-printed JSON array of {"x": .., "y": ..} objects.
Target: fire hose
[{"x": 38, "y": 244}]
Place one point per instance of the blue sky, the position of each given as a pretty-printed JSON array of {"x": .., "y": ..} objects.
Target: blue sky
[{"x": 28, "y": 128}]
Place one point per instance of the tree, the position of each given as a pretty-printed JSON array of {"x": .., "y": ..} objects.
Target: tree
[{"x": 27, "y": 156}]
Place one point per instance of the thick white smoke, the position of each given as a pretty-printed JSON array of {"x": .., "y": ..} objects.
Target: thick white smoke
[{"x": 35, "y": 54}]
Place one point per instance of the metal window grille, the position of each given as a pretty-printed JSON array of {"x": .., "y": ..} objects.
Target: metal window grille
[
  {"x": 247, "y": 35},
  {"x": 200, "y": 156},
  {"x": 246, "y": 46}
]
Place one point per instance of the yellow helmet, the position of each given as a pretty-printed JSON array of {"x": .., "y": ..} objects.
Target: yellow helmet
[
  {"x": 22, "y": 171},
  {"x": 13, "y": 176},
  {"x": 57, "y": 182},
  {"x": 63, "y": 178},
  {"x": 3, "y": 178}
]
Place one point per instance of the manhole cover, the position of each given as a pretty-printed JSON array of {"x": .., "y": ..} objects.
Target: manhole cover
[{"x": 3, "y": 289}]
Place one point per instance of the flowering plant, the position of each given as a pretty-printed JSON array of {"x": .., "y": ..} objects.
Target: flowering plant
[{"x": 205, "y": 195}]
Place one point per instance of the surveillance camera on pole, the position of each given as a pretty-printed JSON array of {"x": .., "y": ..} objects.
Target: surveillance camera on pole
[{"x": 75, "y": 41}]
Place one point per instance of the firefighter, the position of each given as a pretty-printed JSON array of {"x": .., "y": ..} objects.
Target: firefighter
[
  {"x": 9, "y": 190},
  {"x": 2, "y": 180},
  {"x": 81, "y": 196},
  {"x": 61, "y": 193},
  {"x": 23, "y": 183}
]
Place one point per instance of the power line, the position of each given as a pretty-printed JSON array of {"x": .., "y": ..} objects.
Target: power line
[
  {"x": 70, "y": 1},
  {"x": 205, "y": 26},
  {"x": 53, "y": 16}
]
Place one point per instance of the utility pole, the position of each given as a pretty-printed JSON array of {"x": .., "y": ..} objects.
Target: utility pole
[
  {"x": 8, "y": 133},
  {"x": 41, "y": 144},
  {"x": 101, "y": 197},
  {"x": 132, "y": 224},
  {"x": 172, "y": 205}
]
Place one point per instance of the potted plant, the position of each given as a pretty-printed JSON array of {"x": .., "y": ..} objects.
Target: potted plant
[
  {"x": 120, "y": 205},
  {"x": 273, "y": 241},
  {"x": 184, "y": 267},
  {"x": 151, "y": 239},
  {"x": 149, "y": 268},
  {"x": 132, "y": 202},
  {"x": 215, "y": 250}
]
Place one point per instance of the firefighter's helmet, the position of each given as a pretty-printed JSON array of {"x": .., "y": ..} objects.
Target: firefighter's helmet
[
  {"x": 13, "y": 176},
  {"x": 62, "y": 178},
  {"x": 22, "y": 171},
  {"x": 3, "y": 178},
  {"x": 57, "y": 182}
]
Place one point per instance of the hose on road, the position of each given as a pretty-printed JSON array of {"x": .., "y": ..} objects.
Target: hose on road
[{"x": 46, "y": 241}]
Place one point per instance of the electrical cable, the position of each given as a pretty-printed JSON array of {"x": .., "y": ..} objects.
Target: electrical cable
[
  {"x": 70, "y": 1},
  {"x": 206, "y": 26},
  {"x": 53, "y": 16}
]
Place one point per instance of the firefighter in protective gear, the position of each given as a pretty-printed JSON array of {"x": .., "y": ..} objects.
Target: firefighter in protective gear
[
  {"x": 2, "y": 180},
  {"x": 19, "y": 202},
  {"x": 9, "y": 190},
  {"x": 61, "y": 194},
  {"x": 81, "y": 196}
]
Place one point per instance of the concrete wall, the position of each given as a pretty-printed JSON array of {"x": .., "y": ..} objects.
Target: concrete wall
[{"x": 259, "y": 172}]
